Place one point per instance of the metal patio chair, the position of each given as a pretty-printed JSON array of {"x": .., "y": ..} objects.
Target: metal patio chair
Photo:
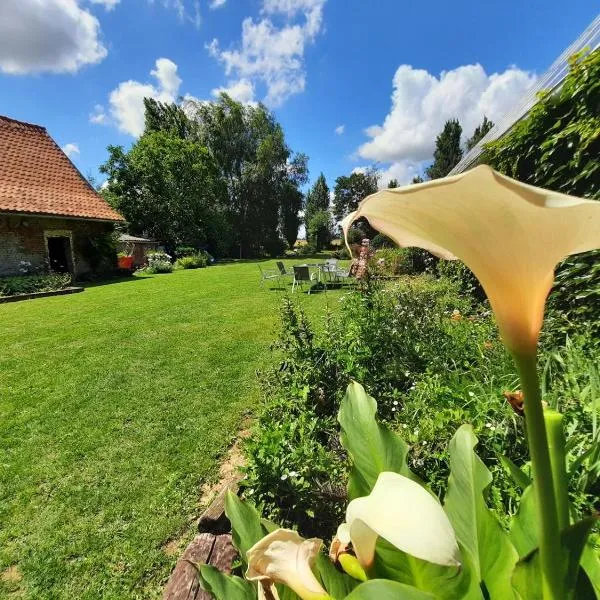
[
  {"x": 283, "y": 272},
  {"x": 302, "y": 275},
  {"x": 268, "y": 275}
]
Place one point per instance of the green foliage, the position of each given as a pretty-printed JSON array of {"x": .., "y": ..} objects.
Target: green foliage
[
  {"x": 218, "y": 175},
  {"x": 319, "y": 229},
  {"x": 391, "y": 262},
  {"x": 480, "y": 131},
  {"x": 29, "y": 284},
  {"x": 100, "y": 252},
  {"x": 194, "y": 261},
  {"x": 477, "y": 528},
  {"x": 382, "y": 241},
  {"x": 371, "y": 447},
  {"x": 392, "y": 183},
  {"x": 447, "y": 152},
  {"x": 182, "y": 251},
  {"x": 165, "y": 186},
  {"x": 350, "y": 190},
  {"x": 556, "y": 146}
]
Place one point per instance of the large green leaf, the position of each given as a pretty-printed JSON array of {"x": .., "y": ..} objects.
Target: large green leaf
[
  {"x": 245, "y": 523},
  {"x": 337, "y": 583},
  {"x": 527, "y": 576},
  {"x": 382, "y": 589},
  {"x": 590, "y": 563},
  {"x": 372, "y": 447},
  {"x": 476, "y": 527},
  {"x": 523, "y": 530},
  {"x": 225, "y": 587},
  {"x": 445, "y": 582}
]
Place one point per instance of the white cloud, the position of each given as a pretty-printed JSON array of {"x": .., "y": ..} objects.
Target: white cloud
[
  {"x": 108, "y": 4},
  {"x": 70, "y": 149},
  {"x": 271, "y": 54},
  {"x": 242, "y": 91},
  {"x": 54, "y": 36},
  {"x": 98, "y": 116},
  {"x": 217, "y": 4},
  {"x": 402, "y": 171},
  {"x": 127, "y": 100},
  {"x": 340, "y": 129},
  {"x": 421, "y": 103}
]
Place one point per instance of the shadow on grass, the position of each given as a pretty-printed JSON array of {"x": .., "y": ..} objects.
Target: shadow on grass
[{"x": 119, "y": 279}]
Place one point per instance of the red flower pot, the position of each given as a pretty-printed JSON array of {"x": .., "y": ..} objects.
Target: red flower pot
[{"x": 126, "y": 262}]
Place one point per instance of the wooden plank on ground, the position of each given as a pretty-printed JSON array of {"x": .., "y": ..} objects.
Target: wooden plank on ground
[
  {"x": 213, "y": 519},
  {"x": 223, "y": 553},
  {"x": 183, "y": 583}
]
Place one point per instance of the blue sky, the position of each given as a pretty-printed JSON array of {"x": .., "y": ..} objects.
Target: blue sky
[{"x": 385, "y": 73}]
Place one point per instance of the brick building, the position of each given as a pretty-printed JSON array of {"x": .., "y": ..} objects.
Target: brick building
[{"x": 49, "y": 214}]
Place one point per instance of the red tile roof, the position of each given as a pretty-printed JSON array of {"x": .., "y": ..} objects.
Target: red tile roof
[{"x": 37, "y": 177}]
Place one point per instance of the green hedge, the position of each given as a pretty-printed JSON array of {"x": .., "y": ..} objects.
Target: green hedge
[{"x": 29, "y": 284}]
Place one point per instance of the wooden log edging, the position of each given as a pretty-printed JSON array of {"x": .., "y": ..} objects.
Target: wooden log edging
[
  {"x": 212, "y": 546},
  {"x": 33, "y": 295},
  {"x": 207, "y": 548}
]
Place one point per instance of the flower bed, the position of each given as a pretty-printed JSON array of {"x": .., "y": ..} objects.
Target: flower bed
[{"x": 33, "y": 284}]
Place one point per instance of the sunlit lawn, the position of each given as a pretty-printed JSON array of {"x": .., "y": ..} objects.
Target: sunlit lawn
[{"x": 115, "y": 405}]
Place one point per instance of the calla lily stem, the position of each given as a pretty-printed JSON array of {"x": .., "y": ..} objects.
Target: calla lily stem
[{"x": 546, "y": 504}]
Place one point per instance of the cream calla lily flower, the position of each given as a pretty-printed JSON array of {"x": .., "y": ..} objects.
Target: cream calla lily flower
[
  {"x": 511, "y": 235},
  {"x": 404, "y": 514},
  {"x": 285, "y": 557}
]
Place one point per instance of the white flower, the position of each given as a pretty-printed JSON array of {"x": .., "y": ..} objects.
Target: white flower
[
  {"x": 285, "y": 557},
  {"x": 511, "y": 235},
  {"x": 404, "y": 514}
]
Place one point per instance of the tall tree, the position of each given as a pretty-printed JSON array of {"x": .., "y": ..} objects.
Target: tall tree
[
  {"x": 317, "y": 217},
  {"x": 479, "y": 132},
  {"x": 317, "y": 198},
  {"x": 166, "y": 187},
  {"x": 250, "y": 148},
  {"x": 215, "y": 171},
  {"x": 447, "y": 150},
  {"x": 350, "y": 190},
  {"x": 168, "y": 118},
  {"x": 392, "y": 183}
]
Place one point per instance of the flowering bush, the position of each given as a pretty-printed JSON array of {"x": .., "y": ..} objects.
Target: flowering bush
[{"x": 159, "y": 262}]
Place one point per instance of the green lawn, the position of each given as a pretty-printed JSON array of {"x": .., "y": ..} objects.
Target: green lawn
[{"x": 115, "y": 405}]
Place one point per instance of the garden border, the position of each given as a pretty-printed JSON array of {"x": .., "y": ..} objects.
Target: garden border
[{"x": 33, "y": 295}]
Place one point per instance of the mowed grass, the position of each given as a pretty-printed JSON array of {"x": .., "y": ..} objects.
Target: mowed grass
[{"x": 116, "y": 404}]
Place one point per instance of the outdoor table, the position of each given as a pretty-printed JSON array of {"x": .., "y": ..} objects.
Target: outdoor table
[{"x": 318, "y": 266}]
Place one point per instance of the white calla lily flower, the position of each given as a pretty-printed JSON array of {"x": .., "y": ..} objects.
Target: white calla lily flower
[
  {"x": 285, "y": 557},
  {"x": 511, "y": 235},
  {"x": 407, "y": 516}
]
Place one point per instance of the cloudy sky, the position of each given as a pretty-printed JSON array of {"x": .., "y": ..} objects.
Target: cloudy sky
[{"x": 353, "y": 82}]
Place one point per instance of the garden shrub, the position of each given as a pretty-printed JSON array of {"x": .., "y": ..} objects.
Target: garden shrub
[
  {"x": 159, "y": 262},
  {"x": 433, "y": 358},
  {"x": 382, "y": 241},
  {"x": 192, "y": 261},
  {"x": 29, "y": 284},
  {"x": 341, "y": 254},
  {"x": 181, "y": 251},
  {"x": 390, "y": 262}
]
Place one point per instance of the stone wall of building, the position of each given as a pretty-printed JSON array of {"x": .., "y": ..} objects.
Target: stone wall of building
[{"x": 23, "y": 240}]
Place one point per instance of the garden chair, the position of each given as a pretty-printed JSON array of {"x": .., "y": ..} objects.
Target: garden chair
[
  {"x": 267, "y": 275},
  {"x": 329, "y": 268},
  {"x": 302, "y": 275},
  {"x": 347, "y": 273},
  {"x": 282, "y": 270}
]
